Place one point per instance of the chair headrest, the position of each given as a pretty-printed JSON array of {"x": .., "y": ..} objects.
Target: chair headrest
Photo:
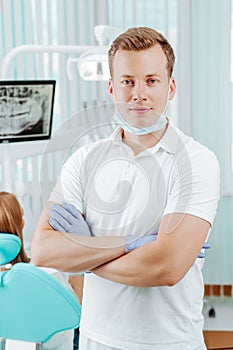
[{"x": 10, "y": 246}]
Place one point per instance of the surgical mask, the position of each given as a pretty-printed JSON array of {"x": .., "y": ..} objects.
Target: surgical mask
[{"x": 160, "y": 124}]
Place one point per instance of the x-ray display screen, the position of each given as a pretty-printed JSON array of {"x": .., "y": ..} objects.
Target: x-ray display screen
[{"x": 26, "y": 110}]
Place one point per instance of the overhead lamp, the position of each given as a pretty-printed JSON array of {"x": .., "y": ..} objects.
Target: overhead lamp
[{"x": 93, "y": 63}]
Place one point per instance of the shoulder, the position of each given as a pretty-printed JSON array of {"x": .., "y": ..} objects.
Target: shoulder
[
  {"x": 87, "y": 150},
  {"x": 196, "y": 179},
  {"x": 194, "y": 153},
  {"x": 196, "y": 168},
  {"x": 202, "y": 158},
  {"x": 94, "y": 149}
]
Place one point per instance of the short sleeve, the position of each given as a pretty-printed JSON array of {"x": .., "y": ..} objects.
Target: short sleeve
[
  {"x": 68, "y": 187},
  {"x": 195, "y": 184}
]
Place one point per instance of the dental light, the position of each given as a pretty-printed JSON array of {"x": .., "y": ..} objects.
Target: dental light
[{"x": 93, "y": 63}]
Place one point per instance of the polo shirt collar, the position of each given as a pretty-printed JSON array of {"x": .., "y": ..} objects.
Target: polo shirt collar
[{"x": 172, "y": 141}]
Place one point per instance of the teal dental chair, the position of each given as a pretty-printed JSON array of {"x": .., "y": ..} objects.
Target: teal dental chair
[{"x": 34, "y": 306}]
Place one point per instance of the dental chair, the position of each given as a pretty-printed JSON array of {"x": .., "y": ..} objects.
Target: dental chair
[{"x": 34, "y": 306}]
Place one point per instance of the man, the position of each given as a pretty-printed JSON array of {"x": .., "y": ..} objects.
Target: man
[{"x": 145, "y": 290}]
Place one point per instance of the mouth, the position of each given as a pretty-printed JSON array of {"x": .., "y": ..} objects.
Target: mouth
[{"x": 140, "y": 109}]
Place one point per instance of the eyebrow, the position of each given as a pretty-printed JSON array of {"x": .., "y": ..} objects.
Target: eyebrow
[
  {"x": 153, "y": 75},
  {"x": 126, "y": 76},
  {"x": 147, "y": 76}
]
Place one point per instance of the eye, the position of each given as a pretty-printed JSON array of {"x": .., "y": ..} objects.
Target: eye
[
  {"x": 152, "y": 81},
  {"x": 128, "y": 82}
]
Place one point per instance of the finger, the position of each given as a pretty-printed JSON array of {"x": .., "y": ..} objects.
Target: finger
[
  {"x": 59, "y": 210},
  {"x": 64, "y": 223},
  {"x": 73, "y": 210},
  {"x": 55, "y": 225},
  {"x": 206, "y": 245}
]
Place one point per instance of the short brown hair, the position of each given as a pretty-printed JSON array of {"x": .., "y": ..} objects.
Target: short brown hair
[
  {"x": 11, "y": 221},
  {"x": 138, "y": 39}
]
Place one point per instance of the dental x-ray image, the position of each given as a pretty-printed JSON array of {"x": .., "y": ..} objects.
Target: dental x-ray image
[{"x": 26, "y": 110}]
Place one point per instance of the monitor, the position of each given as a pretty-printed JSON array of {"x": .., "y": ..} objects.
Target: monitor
[{"x": 26, "y": 110}]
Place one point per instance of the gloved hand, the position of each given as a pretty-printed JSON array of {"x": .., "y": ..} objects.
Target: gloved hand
[
  {"x": 66, "y": 218},
  {"x": 133, "y": 242},
  {"x": 206, "y": 245}
]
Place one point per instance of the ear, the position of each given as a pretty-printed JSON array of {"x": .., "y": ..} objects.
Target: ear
[
  {"x": 172, "y": 88},
  {"x": 110, "y": 87}
]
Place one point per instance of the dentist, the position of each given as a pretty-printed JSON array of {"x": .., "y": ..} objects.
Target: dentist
[{"x": 148, "y": 201}]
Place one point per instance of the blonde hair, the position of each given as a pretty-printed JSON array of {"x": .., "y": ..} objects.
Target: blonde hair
[
  {"x": 11, "y": 221},
  {"x": 138, "y": 39}
]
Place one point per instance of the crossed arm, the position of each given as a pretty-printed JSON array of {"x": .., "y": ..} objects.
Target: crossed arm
[
  {"x": 69, "y": 252},
  {"x": 162, "y": 262},
  {"x": 165, "y": 261}
]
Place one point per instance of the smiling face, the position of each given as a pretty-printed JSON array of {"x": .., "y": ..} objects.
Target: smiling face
[{"x": 140, "y": 85}]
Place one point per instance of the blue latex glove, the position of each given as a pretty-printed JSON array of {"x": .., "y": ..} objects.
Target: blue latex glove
[
  {"x": 66, "y": 218},
  {"x": 133, "y": 242},
  {"x": 206, "y": 245}
]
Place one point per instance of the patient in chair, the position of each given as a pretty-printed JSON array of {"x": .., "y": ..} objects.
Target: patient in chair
[{"x": 11, "y": 221}]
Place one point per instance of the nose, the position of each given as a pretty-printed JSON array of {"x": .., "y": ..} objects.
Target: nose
[{"x": 139, "y": 92}]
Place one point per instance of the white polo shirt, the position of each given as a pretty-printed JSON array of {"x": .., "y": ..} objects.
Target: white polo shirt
[{"x": 120, "y": 193}]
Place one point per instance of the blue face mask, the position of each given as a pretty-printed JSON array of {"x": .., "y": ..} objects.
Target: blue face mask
[{"x": 160, "y": 124}]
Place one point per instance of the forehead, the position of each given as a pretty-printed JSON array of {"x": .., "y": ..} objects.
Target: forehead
[{"x": 144, "y": 62}]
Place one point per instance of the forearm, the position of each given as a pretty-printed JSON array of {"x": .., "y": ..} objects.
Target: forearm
[
  {"x": 163, "y": 262},
  {"x": 71, "y": 253},
  {"x": 138, "y": 269}
]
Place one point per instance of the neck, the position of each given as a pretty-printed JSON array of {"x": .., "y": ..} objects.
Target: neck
[{"x": 139, "y": 143}]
